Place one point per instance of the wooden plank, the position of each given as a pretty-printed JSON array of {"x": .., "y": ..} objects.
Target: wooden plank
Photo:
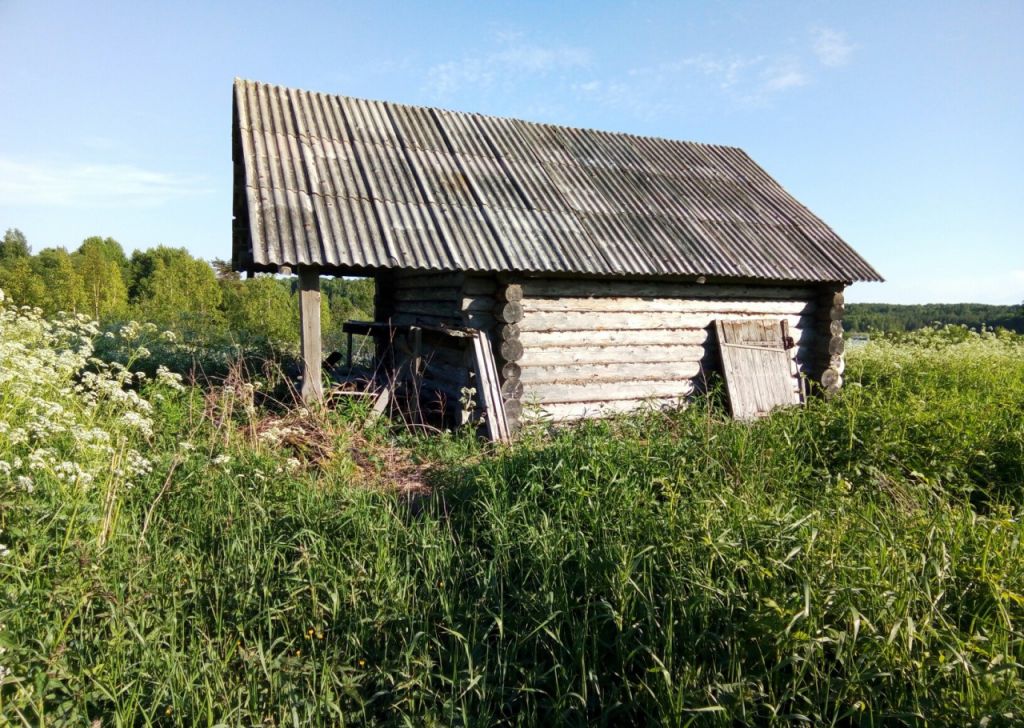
[
  {"x": 584, "y": 373},
  {"x": 488, "y": 387},
  {"x": 309, "y": 321},
  {"x": 758, "y": 368},
  {"x": 587, "y": 321},
  {"x": 626, "y": 355}
]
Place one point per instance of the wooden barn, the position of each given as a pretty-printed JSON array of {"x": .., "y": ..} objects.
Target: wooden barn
[{"x": 602, "y": 270}]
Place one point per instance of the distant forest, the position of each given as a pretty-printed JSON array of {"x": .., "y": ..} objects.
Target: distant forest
[
  {"x": 211, "y": 303},
  {"x": 863, "y": 317},
  {"x": 169, "y": 287}
]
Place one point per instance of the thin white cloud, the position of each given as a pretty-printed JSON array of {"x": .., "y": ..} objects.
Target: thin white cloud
[
  {"x": 781, "y": 78},
  {"x": 831, "y": 47},
  {"x": 745, "y": 81},
  {"x": 515, "y": 59},
  {"x": 87, "y": 185}
]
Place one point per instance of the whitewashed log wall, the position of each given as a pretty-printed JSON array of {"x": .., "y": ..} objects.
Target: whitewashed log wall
[
  {"x": 572, "y": 348},
  {"x": 600, "y": 347}
]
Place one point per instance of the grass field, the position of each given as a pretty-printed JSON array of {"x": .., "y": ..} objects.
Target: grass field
[{"x": 175, "y": 555}]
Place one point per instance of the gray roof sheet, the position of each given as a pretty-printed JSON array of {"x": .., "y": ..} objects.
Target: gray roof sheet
[{"x": 354, "y": 185}]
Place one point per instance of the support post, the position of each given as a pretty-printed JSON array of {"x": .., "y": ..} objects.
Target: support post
[{"x": 309, "y": 319}]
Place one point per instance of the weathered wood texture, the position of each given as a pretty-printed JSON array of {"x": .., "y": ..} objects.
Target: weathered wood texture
[
  {"x": 756, "y": 366},
  {"x": 828, "y": 363},
  {"x": 461, "y": 300},
  {"x": 596, "y": 347},
  {"x": 309, "y": 320}
]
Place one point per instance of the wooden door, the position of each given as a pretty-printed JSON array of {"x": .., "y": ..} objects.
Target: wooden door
[{"x": 757, "y": 366}]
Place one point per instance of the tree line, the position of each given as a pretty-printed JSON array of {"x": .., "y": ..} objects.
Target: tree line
[
  {"x": 864, "y": 317},
  {"x": 174, "y": 290}
]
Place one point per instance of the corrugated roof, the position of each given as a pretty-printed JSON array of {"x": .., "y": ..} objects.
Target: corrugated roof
[{"x": 355, "y": 185}]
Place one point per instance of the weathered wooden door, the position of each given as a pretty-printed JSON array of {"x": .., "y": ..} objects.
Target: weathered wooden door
[{"x": 757, "y": 366}]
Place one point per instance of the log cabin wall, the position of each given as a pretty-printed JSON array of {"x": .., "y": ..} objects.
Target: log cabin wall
[
  {"x": 435, "y": 299},
  {"x": 593, "y": 347}
]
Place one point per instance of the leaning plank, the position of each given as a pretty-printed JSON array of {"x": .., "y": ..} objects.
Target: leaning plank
[
  {"x": 489, "y": 388},
  {"x": 757, "y": 366}
]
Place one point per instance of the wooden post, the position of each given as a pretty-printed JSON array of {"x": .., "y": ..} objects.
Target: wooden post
[{"x": 309, "y": 318}]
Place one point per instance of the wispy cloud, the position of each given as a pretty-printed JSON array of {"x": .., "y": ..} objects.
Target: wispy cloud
[
  {"x": 745, "y": 81},
  {"x": 781, "y": 77},
  {"x": 514, "y": 59},
  {"x": 831, "y": 47},
  {"x": 85, "y": 185}
]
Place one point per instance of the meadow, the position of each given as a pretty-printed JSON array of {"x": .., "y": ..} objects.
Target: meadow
[{"x": 174, "y": 554}]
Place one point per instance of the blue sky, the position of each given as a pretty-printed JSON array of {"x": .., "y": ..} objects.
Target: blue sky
[{"x": 901, "y": 124}]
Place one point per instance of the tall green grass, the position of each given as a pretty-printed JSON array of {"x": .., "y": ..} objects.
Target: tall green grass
[{"x": 853, "y": 562}]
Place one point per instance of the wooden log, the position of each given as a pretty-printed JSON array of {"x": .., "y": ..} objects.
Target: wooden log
[
  {"x": 835, "y": 327},
  {"x": 508, "y": 331},
  {"x": 509, "y": 312},
  {"x": 613, "y": 337},
  {"x": 309, "y": 319},
  {"x": 513, "y": 293},
  {"x": 716, "y": 307},
  {"x": 513, "y": 409},
  {"x": 836, "y": 345},
  {"x": 586, "y": 321},
  {"x": 479, "y": 285},
  {"x": 584, "y": 373},
  {"x": 511, "y": 350},
  {"x": 831, "y": 379},
  {"x": 568, "y": 411},
  {"x": 430, "y": 308},
  {"x": 512, "y": 389},
  {"x": 600, "y": 392},
  {"x": 830, "y": 313},
  {"x": 407, "y": 318},
  {"x": 451, "y": 296},
  {"x": 610, "y": 355},
  {"x": 511, "y": 370},
  {"x": 403, "y": 279},
  {"x": 555, "y": 287}
]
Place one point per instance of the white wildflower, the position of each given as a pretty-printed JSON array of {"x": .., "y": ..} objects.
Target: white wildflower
[
  {"x": 222, "y": 460},
  {"x": 138, "y": 422},
  {"x": 25, "y": 483}
]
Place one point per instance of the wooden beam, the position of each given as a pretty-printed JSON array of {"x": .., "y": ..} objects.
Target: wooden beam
[{"x": 309, "y": 318}]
